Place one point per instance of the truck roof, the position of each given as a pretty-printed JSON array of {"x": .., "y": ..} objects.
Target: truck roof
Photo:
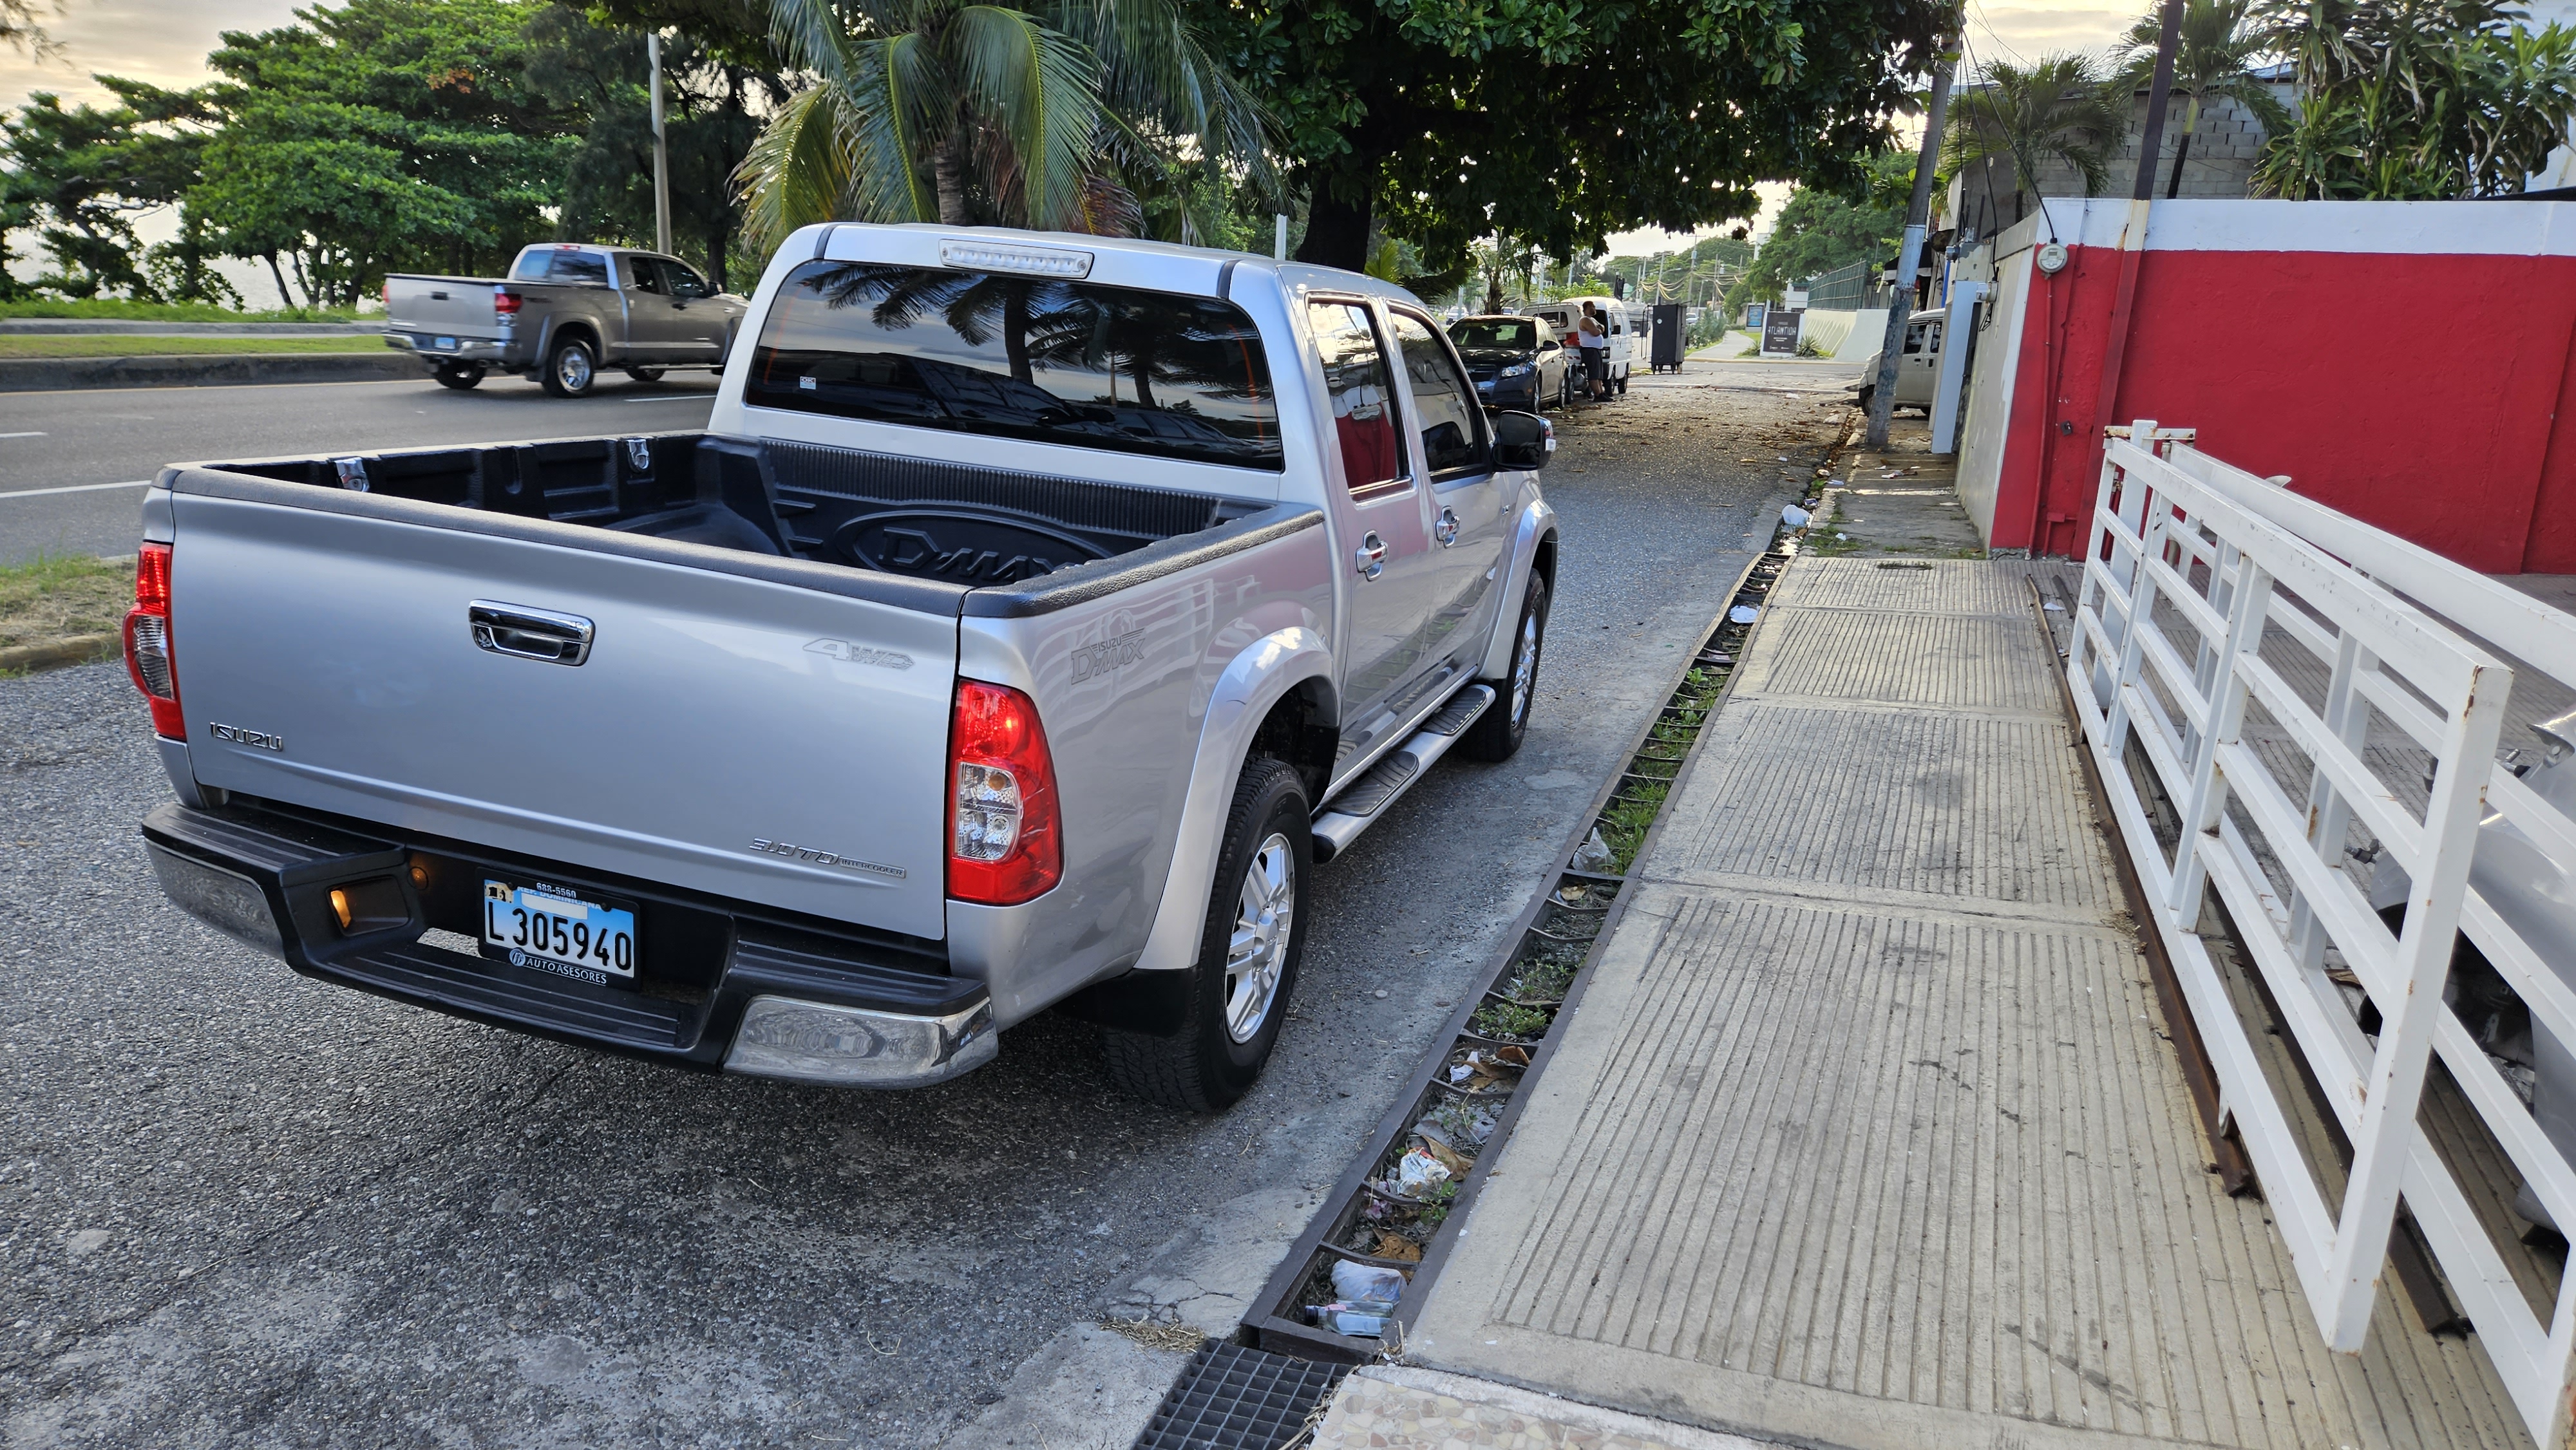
[{"x": 1199, "y": 270}]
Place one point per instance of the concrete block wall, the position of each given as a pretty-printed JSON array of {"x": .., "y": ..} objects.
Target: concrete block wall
[{"x": 2224, "y": 147}]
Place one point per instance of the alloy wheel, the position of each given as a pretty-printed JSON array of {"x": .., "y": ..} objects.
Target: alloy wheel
[{"x": 1265, "y": 911}]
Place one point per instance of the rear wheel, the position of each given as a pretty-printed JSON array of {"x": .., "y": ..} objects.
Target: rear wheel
[
  {"x": 1498, "y": 732},
  {"x": 645, "y": 375},
  {"x": 571, "y": 368},
  {"x": 1238, "y": 992},
  {"x": 458, "y": 375}
]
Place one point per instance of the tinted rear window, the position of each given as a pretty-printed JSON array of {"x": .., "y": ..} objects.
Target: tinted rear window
[
  {"x": 1519, "y": 336},
  {"x": 562, "y": 267},
  {"x": 1020, "y": 357}
]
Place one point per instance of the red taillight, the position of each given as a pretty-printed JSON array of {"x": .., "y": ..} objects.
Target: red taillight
[
  {"x": 1003, "y": 843},
  {"x": 504, "y": 301},
  {"x": 147, "y": 641},
  {"x": 386, "y": 292}
]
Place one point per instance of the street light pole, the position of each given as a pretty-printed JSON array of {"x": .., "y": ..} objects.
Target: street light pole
[
  {"x": 1909, "y": 255},
  {"x": 661, "y": 151}
]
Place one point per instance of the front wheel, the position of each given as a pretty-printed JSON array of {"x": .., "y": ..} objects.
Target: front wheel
[
  {"x": 570, "y": 369},
  {"x": 1864, "y": 397},
  {"x": 459, "y": 376},
  {"x": 1497, "y": 733},
  {"x": 1238, "y": 992}
]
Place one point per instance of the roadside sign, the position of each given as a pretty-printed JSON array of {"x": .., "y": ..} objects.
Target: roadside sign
[
  {"x": 1780, "y": 329},
  {"x": 1797, "y": 299},
  {"x": 1753, "y": 315}
]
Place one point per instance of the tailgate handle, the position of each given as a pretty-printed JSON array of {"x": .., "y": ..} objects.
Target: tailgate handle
[{"x": 529, "y": 634}]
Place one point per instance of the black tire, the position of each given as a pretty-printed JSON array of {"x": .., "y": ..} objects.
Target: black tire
[
  {"x": 458, "y": 375},
  {"x": 1623, "y": 385},
  {"x": 1864, "y": 395},
  {"x": 1206, "y": 1066},
  {"x": 572, "y": 368},
  {"x": 1498, "y": 732},
  {"x": 645, "y": 375}
]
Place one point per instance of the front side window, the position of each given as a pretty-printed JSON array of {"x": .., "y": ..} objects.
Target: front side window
[
  {"x": 1363, "y": 398},
  {"x": 1074, "y": 363},
  {"x": 683, "y": 280},
  {"x": 1452, "y": 423}
]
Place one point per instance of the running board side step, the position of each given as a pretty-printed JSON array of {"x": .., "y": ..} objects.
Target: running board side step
[{"x": 1364, "y": 803}]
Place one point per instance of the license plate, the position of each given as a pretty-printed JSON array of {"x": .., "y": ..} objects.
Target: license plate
[
  {"x": 555, "y": 931},
  {"x": 443, "y": 344}
]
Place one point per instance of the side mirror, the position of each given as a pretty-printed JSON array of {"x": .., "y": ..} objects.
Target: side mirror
[{"x": 1523, "y": 440}]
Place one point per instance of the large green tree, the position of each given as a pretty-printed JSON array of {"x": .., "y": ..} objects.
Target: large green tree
[
  {"x": 1565, "y": 120},
  {"x": 1818, "y": 231},
  {"x": 714, "y": 95},
  {"x": 2017, "y": 118},
  {"x": 378, "y": 135},
  {"x": 82, "y": 175}
]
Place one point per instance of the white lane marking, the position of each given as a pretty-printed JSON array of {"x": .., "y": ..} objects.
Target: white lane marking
[
  {"x": 75, "y": 488},
  {"x": 674, "y": 398},
  {"x": 21, "y": 435}
]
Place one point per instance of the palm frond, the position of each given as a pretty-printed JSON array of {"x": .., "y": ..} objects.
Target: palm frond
[
  {"x": 797, "y": 170},
  {"x": 893, "y": 119},
  {"x": 1041, "y": 87}
]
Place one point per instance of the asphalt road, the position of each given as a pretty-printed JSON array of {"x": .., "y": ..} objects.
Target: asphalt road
[
  {"x": 241, "y": 1208},
  {"x": 92, "y": 442}
]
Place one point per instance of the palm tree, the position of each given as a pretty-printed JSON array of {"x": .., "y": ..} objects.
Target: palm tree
[
  {"x": 2217, "y": 46},
  {"x": 2056, "y": 109},
  {"x": 1048, "y": 113}
]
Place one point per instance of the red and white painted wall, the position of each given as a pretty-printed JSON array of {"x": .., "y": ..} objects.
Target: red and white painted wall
[{"x": 2412, "y": 364}]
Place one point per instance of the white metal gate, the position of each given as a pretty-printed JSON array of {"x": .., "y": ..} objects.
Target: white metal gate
[{"x": 2193, "y": 565}]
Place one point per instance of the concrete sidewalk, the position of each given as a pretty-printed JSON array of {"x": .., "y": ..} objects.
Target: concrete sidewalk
[{"x": 1867, "y": 1132}]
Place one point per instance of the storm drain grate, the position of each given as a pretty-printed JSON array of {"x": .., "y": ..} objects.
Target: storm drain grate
[{"x": 1233, "y": 1398}]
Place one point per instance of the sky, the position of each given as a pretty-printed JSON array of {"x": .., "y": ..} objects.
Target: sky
[{"x": 166, "y": 41}]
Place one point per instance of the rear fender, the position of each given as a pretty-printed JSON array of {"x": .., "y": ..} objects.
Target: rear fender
[
  {"x": 1536, "y": 525},
  {"x": 1256, "y": 680}
]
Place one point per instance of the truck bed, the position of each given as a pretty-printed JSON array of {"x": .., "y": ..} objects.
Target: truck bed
[{"x": 908, "y": 517}]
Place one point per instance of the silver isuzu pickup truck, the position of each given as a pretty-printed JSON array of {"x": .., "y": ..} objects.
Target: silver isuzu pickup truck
[{"x": 1033, "y": 614}]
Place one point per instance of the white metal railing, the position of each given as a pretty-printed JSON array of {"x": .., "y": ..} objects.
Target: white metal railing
[{"x": 2192, "y": 563}]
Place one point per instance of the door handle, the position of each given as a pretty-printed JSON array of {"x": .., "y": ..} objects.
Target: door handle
[
  {"x": 1370, "y": 557},
  {"x": 1446, "y": 528},
  {"x": 529, "y": 634}
]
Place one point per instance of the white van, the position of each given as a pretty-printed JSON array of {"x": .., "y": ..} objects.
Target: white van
[{"x": 1561, "y": 315}]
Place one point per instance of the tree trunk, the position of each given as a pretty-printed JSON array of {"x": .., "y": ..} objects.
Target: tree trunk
[
  {"x": 1015, "y": 331},
  {"x": 948, "y": 174},
  {"x": 284, "y": 297},
  {"x": 1337, "y": 232},
  {"x": 2182, "y": 148}
]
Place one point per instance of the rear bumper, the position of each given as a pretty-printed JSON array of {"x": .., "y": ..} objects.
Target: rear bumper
[
  {"x": 730, "y": 991},
  {"x": 467, "y": 349}
]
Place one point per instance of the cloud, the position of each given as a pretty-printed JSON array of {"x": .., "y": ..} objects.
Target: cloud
[
  {"x": 162, "y": 41},
  {"x": 2022, "y": 33}
]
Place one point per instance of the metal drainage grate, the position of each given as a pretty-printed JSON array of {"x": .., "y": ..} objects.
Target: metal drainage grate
[{"x": 1233, "y": 1398}]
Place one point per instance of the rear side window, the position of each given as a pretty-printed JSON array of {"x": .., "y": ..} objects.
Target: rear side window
[
  {"x": 561, "y": 266},
  {"x": 1452, "y": 422},
  {"x": 1355, "y": 379},
  {"x": 1073, "y": 363}
]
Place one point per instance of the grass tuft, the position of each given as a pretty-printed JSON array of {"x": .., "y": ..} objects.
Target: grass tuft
[{"x": 55, "y": 596}]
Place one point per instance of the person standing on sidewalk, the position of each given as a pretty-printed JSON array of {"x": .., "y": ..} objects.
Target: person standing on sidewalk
[{"x": 1594, "y": 338}]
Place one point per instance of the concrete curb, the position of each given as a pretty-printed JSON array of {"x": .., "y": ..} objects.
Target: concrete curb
[
  {"x": 53, "y": 374},
  {"x": 78, "y": 649}
]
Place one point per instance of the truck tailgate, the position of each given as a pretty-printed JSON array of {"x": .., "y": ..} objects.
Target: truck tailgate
[
  {"x": 441, "y": 306},
  {"x": 726, "y": 734}
]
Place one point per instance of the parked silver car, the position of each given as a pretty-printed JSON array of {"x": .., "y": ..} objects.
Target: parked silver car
[
  {"x": 1033, "y": 614},
  {"x": 564, "y": 312}
]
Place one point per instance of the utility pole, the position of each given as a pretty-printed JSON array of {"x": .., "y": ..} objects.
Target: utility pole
[
  {"x": 661, "y": 152},
  {"x": 1909, "y": 253}
]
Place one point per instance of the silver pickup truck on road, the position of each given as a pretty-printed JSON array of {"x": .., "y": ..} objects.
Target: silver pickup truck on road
[
  {"x": 564, "y": 312},
  {"x": 1032, "y": 616}
]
